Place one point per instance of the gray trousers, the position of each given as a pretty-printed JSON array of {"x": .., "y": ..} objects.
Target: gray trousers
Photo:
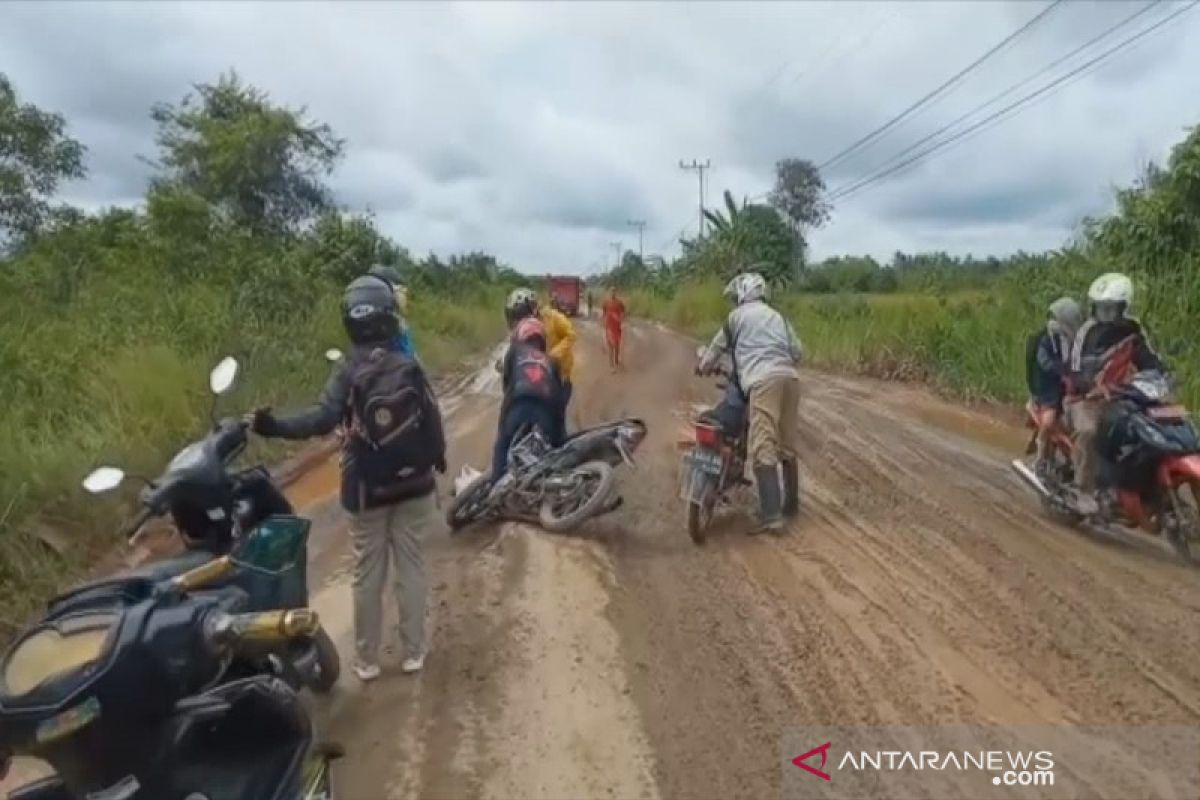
[{"x": 396, "y": 532}]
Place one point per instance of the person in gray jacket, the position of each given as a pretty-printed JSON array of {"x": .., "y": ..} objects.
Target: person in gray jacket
[
  {"x": 765, "y": 352},
  {"x": 394, "y": 443}
]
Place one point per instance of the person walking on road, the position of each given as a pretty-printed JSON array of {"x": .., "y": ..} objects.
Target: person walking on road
[
  {"x": 613, "y": 312},
  {"x": 393, "y": 445},
  {"x": 765, "y": 352}
]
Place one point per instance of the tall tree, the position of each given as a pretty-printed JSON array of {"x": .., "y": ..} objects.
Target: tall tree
[
  {"x": 799, "y": 195},
  {"x": 260, "y": 164},
  {"x": 35, "y": 156}
]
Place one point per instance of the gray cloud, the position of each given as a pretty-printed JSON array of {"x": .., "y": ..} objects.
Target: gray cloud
[{"x": 535, "y": 131}]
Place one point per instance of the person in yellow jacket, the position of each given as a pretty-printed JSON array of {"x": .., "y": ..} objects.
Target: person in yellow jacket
[{"x": 560, "y": 338}]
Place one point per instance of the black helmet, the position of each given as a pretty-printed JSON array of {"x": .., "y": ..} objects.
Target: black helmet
[
  {"x": 389, "y": 274},
  {"x": 369, "y": 310}
]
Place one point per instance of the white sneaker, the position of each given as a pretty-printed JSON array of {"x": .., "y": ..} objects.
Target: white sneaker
[
  {"x": 413, "y": 663},
  {"x": 365, "y": 672}
]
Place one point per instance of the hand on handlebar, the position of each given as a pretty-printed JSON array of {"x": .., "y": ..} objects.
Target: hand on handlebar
[{"x": 260, "y": 421}]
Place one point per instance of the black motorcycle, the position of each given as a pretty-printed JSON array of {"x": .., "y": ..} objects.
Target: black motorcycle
[
  {"x": 123, "y": 689},
  {"x": 557, "y": 488},
  {"x": 214, "y": 506}
]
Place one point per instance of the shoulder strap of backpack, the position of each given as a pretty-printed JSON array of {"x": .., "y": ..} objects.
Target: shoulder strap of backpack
[{"x": 731, "y": 347}]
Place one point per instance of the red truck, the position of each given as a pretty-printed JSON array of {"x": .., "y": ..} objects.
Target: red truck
[{"x": 566, "y": 293}]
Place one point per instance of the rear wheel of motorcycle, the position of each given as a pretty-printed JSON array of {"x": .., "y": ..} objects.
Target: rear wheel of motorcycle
[
  {"x": 328, "y": 663},
  {"x": 598, "y": 479},
  {"x": 698, "y": 517},
  {"x": 467, "y": 505}
]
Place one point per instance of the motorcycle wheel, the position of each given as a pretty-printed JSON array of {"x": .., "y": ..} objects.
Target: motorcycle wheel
[
  {"x": 594, "y": 472},
  {"x": 1186, "y": 539},
  {"x": 328, "y": 662},
  {"x": 697, "y": 521},
  {"x": 467, "y": 505}
]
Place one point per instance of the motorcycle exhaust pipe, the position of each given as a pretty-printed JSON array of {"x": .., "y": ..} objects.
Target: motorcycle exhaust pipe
[{"x": 1022, "y": 469}]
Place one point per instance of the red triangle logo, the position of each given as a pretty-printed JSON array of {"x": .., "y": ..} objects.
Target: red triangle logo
[{"x": 800, "y": 759}]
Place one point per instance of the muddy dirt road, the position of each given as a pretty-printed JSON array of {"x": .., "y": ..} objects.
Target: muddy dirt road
[{"x": 919, "y": 586}]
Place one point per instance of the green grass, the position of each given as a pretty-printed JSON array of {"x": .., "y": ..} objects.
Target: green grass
[{"x": 120, "y": 376}]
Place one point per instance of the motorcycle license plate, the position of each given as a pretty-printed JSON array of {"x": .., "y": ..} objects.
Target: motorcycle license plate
[{"x": 705, "y": 461}]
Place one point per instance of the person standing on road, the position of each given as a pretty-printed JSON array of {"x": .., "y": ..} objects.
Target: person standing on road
[
  {"x": 560, "y": 339},
  {"x": 613, "y": 312},
  {"x": 765, "y": 352},
  {"x": 393, "y": 445}
]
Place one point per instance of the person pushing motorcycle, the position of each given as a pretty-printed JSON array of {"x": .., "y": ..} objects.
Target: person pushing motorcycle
[
  {"x": 765, "y": 351},
  {"x": 1110, "y": 298},
  {"x": 560, "y": 341},
  {"x": 1048, "y": 357},
  {"x": 532, "y": 392}
]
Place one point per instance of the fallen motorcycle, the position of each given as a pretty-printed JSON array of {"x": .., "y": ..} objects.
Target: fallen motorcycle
[
  {"x": 124, "y": 691},
  {"x": 557, "y": 488},
  {"x": 1149, "y": 459},
  {"x": 714, "y": 464},
  {"x": 214, "y": 506}
]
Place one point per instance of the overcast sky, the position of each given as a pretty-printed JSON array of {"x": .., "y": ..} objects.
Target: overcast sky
[{"x": 537, "y": 131}]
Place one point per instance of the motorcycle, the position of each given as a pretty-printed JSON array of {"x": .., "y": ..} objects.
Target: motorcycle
[
  {"x": 557, "y": 488},
  {"x": 1149, "y": 458},
  {"x": 714, "y": 464},
  {"x": 215, "y": 506},
  {"x": 124, "y": 691}
]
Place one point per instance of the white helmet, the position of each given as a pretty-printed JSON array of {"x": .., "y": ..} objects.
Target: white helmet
[
  {"x": 746, "y": 287},
  {"x": 521, "y": 303},
  {"x": 1110, "y": 295}
]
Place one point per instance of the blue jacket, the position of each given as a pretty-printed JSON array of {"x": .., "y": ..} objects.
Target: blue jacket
[{"x": 403, "y": 342}]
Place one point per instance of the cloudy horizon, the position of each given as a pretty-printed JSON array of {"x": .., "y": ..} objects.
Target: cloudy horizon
[{"x": 536, "y": 132}]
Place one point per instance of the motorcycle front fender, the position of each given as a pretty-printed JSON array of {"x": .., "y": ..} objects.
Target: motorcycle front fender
[{"x": 1177, "y": 470}]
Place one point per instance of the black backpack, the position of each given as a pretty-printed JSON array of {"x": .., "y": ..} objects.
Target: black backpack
[{"x": 390, "y": 427}]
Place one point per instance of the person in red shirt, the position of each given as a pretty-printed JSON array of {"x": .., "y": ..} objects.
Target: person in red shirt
[{"x": 613, "y": 312}]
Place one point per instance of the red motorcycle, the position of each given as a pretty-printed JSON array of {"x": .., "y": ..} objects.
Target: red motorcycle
[
  {"x": 1149, "y": 457},
  {"x": 714, "y": 464}
]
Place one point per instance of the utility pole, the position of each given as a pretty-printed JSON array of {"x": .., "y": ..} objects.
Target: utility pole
[
  {"x": 696, "y": 165},
  {"x": 616, "y": 246},
  {"x": 640, "y": 224}
]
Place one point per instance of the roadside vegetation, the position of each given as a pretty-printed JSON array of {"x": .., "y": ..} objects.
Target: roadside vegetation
[
  {"x": 110, "y": 321},
  {"x": 958, "y": 323}
]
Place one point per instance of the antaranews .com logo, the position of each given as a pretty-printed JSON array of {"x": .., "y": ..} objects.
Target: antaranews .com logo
[
  {"x": 965, "y": 762},
  {"x": 1006, "y": 767}
]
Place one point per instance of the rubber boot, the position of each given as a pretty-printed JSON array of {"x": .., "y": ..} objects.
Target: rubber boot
[
  {"x": 791, "y": 487},
  {"x": 769, "y": 518}
]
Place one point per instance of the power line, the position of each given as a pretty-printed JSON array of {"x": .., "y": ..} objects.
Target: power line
[
  {"x": 947, "y": 84},
  {"x": 995, "y": 99},
  {"x": 847, "y": 191}
]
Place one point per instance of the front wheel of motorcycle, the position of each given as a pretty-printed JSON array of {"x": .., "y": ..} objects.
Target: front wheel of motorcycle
[
  {"x": 329, "y": 664},
  {"x": 590, "y": 486},
  {"x": 468, "y": 504}
]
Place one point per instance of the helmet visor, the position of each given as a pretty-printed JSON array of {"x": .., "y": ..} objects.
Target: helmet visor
[{"x": 1108, "y": 311}]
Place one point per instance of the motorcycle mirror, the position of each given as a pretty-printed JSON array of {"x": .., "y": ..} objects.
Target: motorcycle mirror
[
  {"x": 103, "y": 479},
  {"x": 221, "y": 378},
  {"x": 333, "y": 355}
]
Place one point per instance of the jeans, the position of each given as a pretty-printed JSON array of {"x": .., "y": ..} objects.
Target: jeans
[
  {"x": 568, "y": 389},
  {"x": 522, "y": 413}
]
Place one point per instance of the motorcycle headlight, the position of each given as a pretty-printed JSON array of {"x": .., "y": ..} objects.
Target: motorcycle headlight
[{"x": 57, "y": 648}]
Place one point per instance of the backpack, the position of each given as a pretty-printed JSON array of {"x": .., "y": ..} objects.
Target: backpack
[{"x": 389, "y": 427}]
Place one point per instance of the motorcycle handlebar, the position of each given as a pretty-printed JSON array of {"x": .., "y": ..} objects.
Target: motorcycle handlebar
[
  {"x": 135, "y": 526},
  {"x": 264, "y": 627}
]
